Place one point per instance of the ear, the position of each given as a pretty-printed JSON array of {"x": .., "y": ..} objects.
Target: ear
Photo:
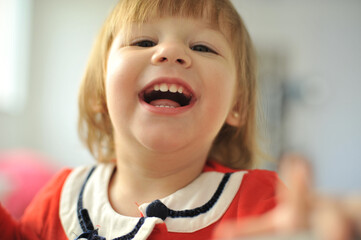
[{"x": 234, "y": 119}]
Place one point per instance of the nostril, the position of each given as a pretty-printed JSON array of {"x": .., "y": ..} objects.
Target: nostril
[{"x": 172, "y": 56}]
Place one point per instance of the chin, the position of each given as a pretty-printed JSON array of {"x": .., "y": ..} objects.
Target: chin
[{"x": 163, "y": 143}]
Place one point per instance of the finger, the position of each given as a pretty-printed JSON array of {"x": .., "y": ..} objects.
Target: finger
[
  {"x": 352, "y": 208},
  {"x": 330, "y": 221},
  {"x": 352, "y": 205},
  {"x": 296, "y": 171},
  {"x": 296, "y": 199}
]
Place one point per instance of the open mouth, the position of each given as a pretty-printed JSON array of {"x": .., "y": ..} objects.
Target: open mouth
[{"x": 166, "y": 95}]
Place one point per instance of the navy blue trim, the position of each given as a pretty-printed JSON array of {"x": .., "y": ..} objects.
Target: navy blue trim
[
  {"x": 164, "y": 213},
  {"x": 86, "y": 224},
  {"x": 83, "y": 216},
  {"x": 92, "y": 234},
  {"x": 206, "y": 207},
  {"x": 132, "y": 234}
]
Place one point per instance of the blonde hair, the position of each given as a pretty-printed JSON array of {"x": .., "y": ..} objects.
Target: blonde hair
[{"x": 234, "y": 146}]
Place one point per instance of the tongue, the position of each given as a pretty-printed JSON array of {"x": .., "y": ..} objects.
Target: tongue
[{"x": 164, "y": 102}]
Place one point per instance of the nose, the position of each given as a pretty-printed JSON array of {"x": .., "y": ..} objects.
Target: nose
[{"x": 173, "y": 53}]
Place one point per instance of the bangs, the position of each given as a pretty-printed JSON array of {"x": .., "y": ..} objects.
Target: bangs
[
  {"x": 146, "y": 10},
  {"x": 129, "y": 12}
]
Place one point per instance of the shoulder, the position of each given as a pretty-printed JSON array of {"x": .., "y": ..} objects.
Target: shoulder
[
  {"x": 53, "y": 187},
  {"x": 263, "y": 179},
  {"x": 252, "y": 178},
  {"x": 257, "y": 193},
  {"x": 48, "y": 194},
  {"x": 41, "y": 216}
]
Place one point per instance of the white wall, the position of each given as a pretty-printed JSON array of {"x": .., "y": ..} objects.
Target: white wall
[
  {"x": 318, "y": 42},
  {"x": 62, "y": 36}
]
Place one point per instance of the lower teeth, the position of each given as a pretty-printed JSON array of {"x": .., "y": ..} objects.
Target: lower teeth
[{"x": 164, "y": 106}]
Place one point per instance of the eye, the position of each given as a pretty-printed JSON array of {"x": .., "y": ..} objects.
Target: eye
[
  {"x": 144, "y": 43},
  {"x": 202, "y": 48}
]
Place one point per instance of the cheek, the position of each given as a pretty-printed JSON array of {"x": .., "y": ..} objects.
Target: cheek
[
  {"x": 120, "y": 88},
  {"x": 117, "y": 71},
  {"x": 122, "y": 75},
  {"x": 221, "y": 88},
  {"x": 115, "y": 88}
]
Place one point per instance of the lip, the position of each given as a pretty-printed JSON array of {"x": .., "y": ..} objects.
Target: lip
[{"x": 163, "y": 110}]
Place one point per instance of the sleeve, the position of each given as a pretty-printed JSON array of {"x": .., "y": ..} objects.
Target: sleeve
[{"x": 41, "y": 218}]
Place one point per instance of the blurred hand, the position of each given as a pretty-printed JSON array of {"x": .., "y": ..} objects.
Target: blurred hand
[{"x": 300, "y": 209}]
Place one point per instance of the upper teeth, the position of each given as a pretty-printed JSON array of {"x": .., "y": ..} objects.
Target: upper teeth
[{"x": 163, "y": 87}]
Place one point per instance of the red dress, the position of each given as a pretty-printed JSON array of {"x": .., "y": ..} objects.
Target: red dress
[{"x": 193, "y": 212}]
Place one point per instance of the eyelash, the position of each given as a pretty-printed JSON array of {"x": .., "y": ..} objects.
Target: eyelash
[
  {"x": 144, "y": 43},
  {"x": 203, "y": 48},
  {"x": 197, "y": 47}
]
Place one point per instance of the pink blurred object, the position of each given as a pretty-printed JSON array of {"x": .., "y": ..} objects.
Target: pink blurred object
[{"x": 22, "y": 174}]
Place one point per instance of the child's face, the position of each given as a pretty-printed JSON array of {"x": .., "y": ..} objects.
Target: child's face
[{"x": 172, "y": 87}]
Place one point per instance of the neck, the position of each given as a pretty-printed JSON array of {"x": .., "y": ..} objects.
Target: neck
[{"x": 145, "y": 177}]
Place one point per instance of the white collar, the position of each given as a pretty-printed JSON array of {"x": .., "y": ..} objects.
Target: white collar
[{"x": 112, "y": 225}]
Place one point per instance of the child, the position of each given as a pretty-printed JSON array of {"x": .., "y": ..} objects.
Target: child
[
  {"x": 167, "y": 107},
  {"x": 169, "y": 92}
]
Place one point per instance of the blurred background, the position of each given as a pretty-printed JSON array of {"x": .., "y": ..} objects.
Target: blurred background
[{"x": 309, "y": 68}]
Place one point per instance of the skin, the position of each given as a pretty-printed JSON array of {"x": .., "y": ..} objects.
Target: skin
[{"x": 157, "y": 152}]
